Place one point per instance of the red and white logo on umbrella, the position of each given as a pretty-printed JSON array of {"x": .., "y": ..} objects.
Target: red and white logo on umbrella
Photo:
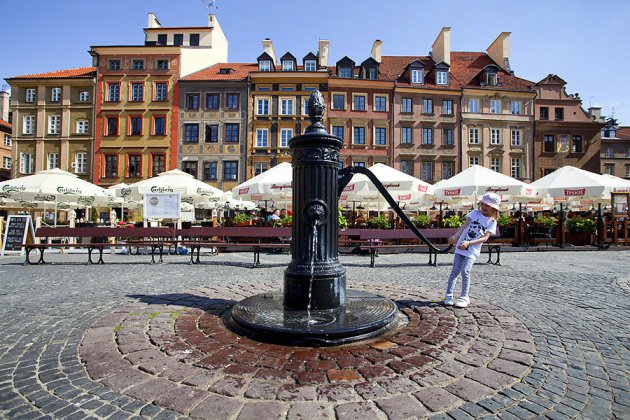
[
  {"x": 452, "y": 193},
  {"x": 574, "y": 192}
]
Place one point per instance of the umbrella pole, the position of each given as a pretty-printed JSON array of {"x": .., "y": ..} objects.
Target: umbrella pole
[{"x": 56, "y": 208}]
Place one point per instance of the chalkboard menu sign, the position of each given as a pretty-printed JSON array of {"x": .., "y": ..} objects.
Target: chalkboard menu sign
[{"x": 16, "y": 233}]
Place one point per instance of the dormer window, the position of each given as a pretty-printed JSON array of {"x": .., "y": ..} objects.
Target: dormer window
[
  {"x": 310, "y": 65},
  {"x": 442, "y": 77},
  {"x": 416, "y": 76},
  {"x": 491, "y": 79},
  {"x": 264, "y": 65},
  {"x": 287, "y": 65},
  {"x": 369, "y": 69},
  {"x": 225, "y": 71},
  {"x": 345, "y": 72},
  {"x": 345, "y": 68}
]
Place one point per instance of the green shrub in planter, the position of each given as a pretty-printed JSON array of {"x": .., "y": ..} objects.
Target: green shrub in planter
[
  {"x": 578, "y": 224},
  {"x": 453, "y": 221},
  {"x": 241, "y": 218},
  {"x": 505, "y": 220},
  {"x": 341, "y": 220},
  {"x": 546, "y": 221},
  {"x": 421, "y": 220},
  {"x": 379, "y": 222}
]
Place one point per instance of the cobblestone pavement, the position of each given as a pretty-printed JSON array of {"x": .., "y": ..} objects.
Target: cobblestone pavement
[{"x": 547, "y": 335}]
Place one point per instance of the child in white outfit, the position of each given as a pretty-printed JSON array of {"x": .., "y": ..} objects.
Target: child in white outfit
[{"x": 479, "y": 226}]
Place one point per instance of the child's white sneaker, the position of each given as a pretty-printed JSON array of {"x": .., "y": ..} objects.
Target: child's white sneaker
[
  {"x": 449, "y": 300},
  {"x": 462, "y": 302}
]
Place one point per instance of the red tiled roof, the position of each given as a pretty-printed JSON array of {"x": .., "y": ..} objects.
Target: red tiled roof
[
  {"x": 239, "y": 71},
  {"x": 5, "y": 124},
  {"x": 623, "y": 132},
  {"x": 393, "y": 68},
  {"x": 78, "y": 73},
  {"x": 466, "y": 66}
]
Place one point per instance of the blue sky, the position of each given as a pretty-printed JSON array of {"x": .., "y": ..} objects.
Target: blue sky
[{"x": 584, "y": 42}]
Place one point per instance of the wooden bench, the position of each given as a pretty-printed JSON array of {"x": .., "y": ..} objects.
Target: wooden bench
[
  {"x": 244, "y": 238},
  {"x": 101, "y": 238},
  {"x": 374, "y": 240}
]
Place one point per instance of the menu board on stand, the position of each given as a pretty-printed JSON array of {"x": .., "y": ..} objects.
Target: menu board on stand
[{"x": 18, "y": 231}]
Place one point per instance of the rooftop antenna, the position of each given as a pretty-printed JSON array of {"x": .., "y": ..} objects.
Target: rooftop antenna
[{"x": 589, "y": 101}]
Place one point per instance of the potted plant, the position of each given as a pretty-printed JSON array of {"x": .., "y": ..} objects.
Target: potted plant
[
  {"x": 242, "y": 219},
  {"x": 453, "y": 221},
  {"x": 580, "y": 230},
  {"x": 421, "y": 221},
  {"x": 341, "y": 220},
  {"x": 506, "y": 226},
  {"x": 379, "y": 222},
  {"x": 286, "y": 221}
]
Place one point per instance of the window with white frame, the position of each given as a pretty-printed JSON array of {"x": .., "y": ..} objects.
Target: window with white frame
[
  {"x": 286, "y": 106},
  {"x": 495, "y": 136},
  {"x": 84, "y": 96},
  {"x": 287, "y": 65},
  {"x": 442, "y": 78},
  {"x": 406, "y": 105},
  {"x": 80, "y": 162},
  {"x": 137, "y": 64},
  {"x": 427, "y": 136},
  {"x": 262, "y": 137},
  {"x": 361, "y": 164},
  {"x": 358, "y": 102},
  {"x": 495, "y": 164},
  {"x": 160, "y": 91},
  {"x": 285, "y": 135},
  {"x": 416, "y": 76},
  {"x": 473, "y": 105},
  {"x": 549, "y": 143},
  {"x": 54, "y": 123},
  {"x": 359, "y": 135},
  {"x": 517, "y": 165},
  {"x": 516, "y": 137},
  {"x": 610, "y": 152},
  {"x": 447, "y": 137},
  {"x": 30, "y": 95},
  {"x": 55, "y": 94},
  {"x": 262, "y": 106},
  {"x": 495, "y": 106},
  {"x": 473, "y": 135},
  {"x": 576, "y": 144},
  {"x": 427, "y": 106},
  {"x": 380, "y": 103},
  {"x": 473, "y": 160},
  {"x": 448, "y": 169},
  {"x": 82, "y": 126},
  {"x": 338, "y": 130},
  {"x": 310, "y": 65},
  {"x": 609, "y": 168},
  {"x": 447, "y": 107},
  {"x": 427, "y": 170},
  {"x": 28, "y": 124},
  {"x": 137, "y": 92},
  {"x": 338, "y": 101},
  {"x": 264, "y": 65},
  {"x": 305, "y": 105},
  {"x": 516, "y": 107},
  {"x": 309, "y": 88},
  {"x": 53, "y": 160},
  {"x": 260, "y": 167},
  {"x": 8, "y": 140},
  {"x": 6, "y": 162},
  {"x": 113, "y": 92},
  {"x": 26, "y": 163},
  {"x": 380, "y": 136},
  {"x": 406, "y": 135}
]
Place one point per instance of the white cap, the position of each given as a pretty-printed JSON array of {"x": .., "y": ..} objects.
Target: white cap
[{"x": 491, "y": 199}]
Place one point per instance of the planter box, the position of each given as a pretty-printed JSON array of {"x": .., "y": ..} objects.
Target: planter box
[{"x": 579, "y": 238}]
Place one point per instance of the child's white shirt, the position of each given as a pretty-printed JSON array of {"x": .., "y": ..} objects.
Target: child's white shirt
[{"x": 477, "y": 228}]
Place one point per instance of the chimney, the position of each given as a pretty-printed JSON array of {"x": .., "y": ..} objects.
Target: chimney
[
  {"x": 322, "y": 53},
  {"x": 4, "y": 104},
  {"x": 268, "y": 47},
  {"x": 153, "y": 21},
  {"x": 210, "y": 21},
  {"x": 376, "y": 50},
  {"x": 595, "y": 111},
  {"x": 441, "y": 49},
  {"x": 499, "y": 51}
]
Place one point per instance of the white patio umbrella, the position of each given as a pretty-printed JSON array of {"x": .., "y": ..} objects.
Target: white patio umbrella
[
  {"x": 401, "y": 186},
  {"x": 478, "y": 180},
  {"x": 569, "y": 182},
  {"x": 274, "y": 184},
  {"x": 617, "y": 184},
  {"x": 190, "y": 189},
  {"x": 54, "y": 186}
]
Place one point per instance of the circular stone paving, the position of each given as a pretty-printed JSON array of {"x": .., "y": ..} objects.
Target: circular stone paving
[{"x": 175, "y": 351}]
